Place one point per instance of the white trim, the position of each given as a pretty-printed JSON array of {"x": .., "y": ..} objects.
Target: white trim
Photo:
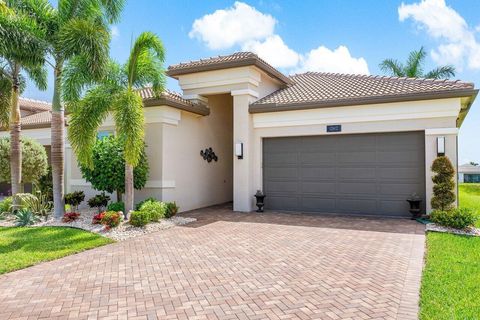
[
  {"x": 430, "y": 132},
  {"x": 250, "y": 92},
  {"x": 156, "y": 114},
  {"x": 160, "y": 184}
]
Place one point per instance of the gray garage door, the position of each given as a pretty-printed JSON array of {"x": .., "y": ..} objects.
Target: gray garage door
[{"x": 367, "y": 174}]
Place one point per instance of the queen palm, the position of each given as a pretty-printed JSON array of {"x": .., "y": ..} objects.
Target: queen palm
[
  {"x": 75, "y": 31},
  {"x": 22, "y": 52},
  {"x": 117, "y": 95},
  {"x": 413, "y": 68}
]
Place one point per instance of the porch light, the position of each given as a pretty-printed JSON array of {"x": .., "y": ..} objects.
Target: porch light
[
  {"x": 440, "y": 146},
  {"x": 239, "y": 150}
]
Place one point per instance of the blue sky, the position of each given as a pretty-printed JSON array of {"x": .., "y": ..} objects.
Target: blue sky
[{"x": 337, "y": 36}]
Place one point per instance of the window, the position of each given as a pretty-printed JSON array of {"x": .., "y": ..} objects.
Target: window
[
  {"x": 471, "y": 178},
  {"x": 104, "y": 134}
]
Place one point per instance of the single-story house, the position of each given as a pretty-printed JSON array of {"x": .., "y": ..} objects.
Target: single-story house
[
  {"x": 312, "y": 142},
  {"x": 469, "y": 173}
]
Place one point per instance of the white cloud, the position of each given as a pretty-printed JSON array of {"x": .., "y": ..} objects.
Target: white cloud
[
  {"x": 457, "y": 42},
  {"x": 114, "y": 32},
  {"x": 233, "y": 26},
  {"x": 339, "y": 60},
  {"x": 245, "y": 27},
  {"x": 275, "y": 51}
]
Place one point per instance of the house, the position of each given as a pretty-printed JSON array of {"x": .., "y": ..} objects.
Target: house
[
  {"x": 312, "y": 142},
  {"x": 469, "y": 173}
]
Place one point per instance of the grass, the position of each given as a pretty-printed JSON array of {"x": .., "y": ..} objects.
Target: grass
[
  {"x": 469, "y": 197},
  {"x": 451, "y": 278},
  {"x": 21, "y": 247}
]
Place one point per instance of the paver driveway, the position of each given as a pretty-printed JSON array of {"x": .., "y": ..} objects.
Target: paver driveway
[{"x": 233, "y": 266}]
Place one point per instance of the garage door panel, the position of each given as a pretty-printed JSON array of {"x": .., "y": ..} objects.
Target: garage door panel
[{"x": 369, "y": 174}]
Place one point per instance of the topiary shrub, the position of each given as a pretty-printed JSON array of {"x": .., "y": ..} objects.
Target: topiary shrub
[
  {"x": 458, "y": 218},
  {"x": 444, "y": 184},
  {"x": 155, "y": 209},
  {"x": 100, "y": 201},
  {"x": 139, "y": 218},
  {"x": 74, "y": 199},
  {"x": 139, "y": 205},
  {"x": 34, "y": 160},
  {"x": 111, "y": 219},
  {"x": 171, "y": 209},
  {"x": 116, "y": 206}
]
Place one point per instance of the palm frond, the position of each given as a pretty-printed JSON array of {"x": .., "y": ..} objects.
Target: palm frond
[
  {"x": 443, "y": 72},
  {"x": 414, "y": 66},
  {"x": 130, "y": 123},
  {"x": 393, "y": 67},
  {"x": 150, "y": 71},
  {"x": 113, "y": 9},
  {"x": 38, "y": 74},
  {"x": 5, "y": 101}
]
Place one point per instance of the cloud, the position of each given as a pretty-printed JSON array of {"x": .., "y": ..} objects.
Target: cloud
[
  {"x": 457, "y": 43},
  {"x": 114, "y": 32},
  {"x": 275, "y": 51},
  {"x": 339, "y": 60},
  {"x": 245, "y": 27},
  {"x": 233, "y": 26}
]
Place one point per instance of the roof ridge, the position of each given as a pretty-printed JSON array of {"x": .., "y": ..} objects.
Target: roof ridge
[
  {"x": 236, "y": 53},
  {"x": 37, "y": 101}
]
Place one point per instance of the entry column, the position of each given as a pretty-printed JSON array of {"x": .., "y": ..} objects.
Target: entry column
[{"x": 243, "y": 133}]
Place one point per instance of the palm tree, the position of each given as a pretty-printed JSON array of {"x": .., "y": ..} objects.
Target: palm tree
[
  {"x": 75, "y": 31},
  {"x": 117, "y": 95},
  {"x": 414, "y": 67},
  {"x": 21, "y": 52}
]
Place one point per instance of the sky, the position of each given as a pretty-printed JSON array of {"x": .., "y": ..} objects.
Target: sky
[{"x": 347, "y": 36}]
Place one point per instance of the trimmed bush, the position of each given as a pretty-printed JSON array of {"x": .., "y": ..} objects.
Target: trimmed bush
[
  {"x": 171, "y": 209},
  {"x": 100, "y": 201},
  {"x": 155, "y": 209},
  {"x": 74, "y": 199},
  {"x": 139, "y": 218},
  {"x": 111, "y": 219},
  {"x": 6, "y": 204},
  {"x": 140, "y": 204},
  {"x": 116, "y": 206},
  {"x": 458, "y": 218},
  {"x": 444, "y": 184}
]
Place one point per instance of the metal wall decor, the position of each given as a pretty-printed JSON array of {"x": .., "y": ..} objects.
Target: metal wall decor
[{"x": 208, "y": 155}]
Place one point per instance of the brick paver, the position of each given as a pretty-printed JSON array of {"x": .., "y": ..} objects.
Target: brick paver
[{"x": 233, "y": 266}]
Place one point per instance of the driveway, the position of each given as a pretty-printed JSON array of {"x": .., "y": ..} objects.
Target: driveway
[{"x": 233, "y": 266}]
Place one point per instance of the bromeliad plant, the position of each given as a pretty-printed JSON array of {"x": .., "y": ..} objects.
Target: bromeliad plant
[{"x": 117, "y": 95}]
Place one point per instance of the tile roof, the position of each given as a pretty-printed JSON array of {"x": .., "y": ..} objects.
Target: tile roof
[
  {"x": 172, "y": 99},
  {"x": 34, "y": 105},
  {"x": 37, "y": 120},
  {"x": 237, "y": 59},
  {"x": 314, "y": 89}
]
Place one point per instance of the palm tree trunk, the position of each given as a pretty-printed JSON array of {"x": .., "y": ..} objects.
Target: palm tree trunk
[
  {"x": 15, "y": 143},
  {"x": 128, "y": 189},
  {"x": 57, "y": 148}
]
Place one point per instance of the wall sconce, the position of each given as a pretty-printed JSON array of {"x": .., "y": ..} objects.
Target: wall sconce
[
  {"x": 239, "y": 150},
  {"x": 440, "y": 146}
]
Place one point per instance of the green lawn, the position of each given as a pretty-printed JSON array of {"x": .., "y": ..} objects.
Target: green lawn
[
  {"x": 451, "y": 278},
  {"x": 23, "y": 247},
  {"x": 469, "y": 197}
]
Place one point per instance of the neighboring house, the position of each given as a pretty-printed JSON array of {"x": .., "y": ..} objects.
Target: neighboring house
[
  {"x": 312, "y": 142},
  {"x": 468, "y": 173}
]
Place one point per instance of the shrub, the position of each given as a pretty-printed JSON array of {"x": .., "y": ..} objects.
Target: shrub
[
  {"x": 25, "y": 217},
  {"x": 74, "y": 199},
  {"x": 100, "y": 201},
  {"x": 70, "y": 216},
  {"x": 116, "y": 206},
  {"x": 6, "y": 204},
  {"x": 139, "y": 205},
  {"x": 171, "y": 209},
  {"x": 38, "y": 204},
  {"x": 108, "y": 170},
  {"x": 97, "y": 219},
  {"x": 34, "y": 160},
  {"x": 139, "y": 218},
  {"x": 443, "y": 194},
  {"x": 155, "y": 209},
  {"x": 458, "y": 218},
  {"x": 45, "y": 184},
  {"x": 111, "y": 219}
]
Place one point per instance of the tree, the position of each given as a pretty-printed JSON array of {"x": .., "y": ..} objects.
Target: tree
[
  {"x": 76, "y": 31},
  {"x": 34, "y": 160},
  {"x": 117, "y": 94},
  {"x": 413, "y": 68},
  {"x": 22, "y": 53},
  {"x": 443, "y": 195},
  {"x": 108, "y": 171}
]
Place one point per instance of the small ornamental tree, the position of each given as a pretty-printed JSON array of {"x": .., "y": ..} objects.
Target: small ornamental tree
[
  {"x": 444, "y": 184},
  {"x": 108, "y": 173},
  {"x": 34, "y": 160}
]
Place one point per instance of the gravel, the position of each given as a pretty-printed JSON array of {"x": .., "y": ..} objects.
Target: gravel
[
  {"x": 466, "y": 232},
  {"x": 122, "y": 232}
]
